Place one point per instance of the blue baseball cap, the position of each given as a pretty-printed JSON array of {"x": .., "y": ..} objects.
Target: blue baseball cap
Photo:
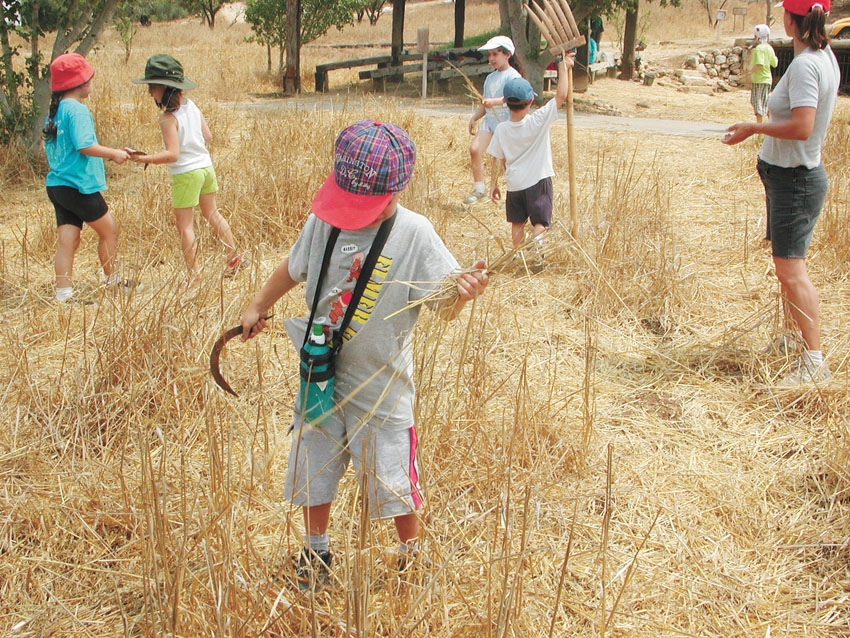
[{"x": 518, "y": 90}]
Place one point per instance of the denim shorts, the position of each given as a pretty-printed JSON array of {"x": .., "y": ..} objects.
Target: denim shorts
[{"x": 795, "y": 198}]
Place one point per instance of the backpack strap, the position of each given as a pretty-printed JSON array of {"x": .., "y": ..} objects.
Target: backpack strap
[
  {"x": 326, "y": 259},
  {"x": 363, "y": 279}
]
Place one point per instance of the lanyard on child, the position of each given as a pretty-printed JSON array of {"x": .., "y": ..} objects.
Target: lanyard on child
[{"x": 359, "y": 287}]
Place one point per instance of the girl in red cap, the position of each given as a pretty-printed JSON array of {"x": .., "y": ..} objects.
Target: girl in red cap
[
  {"x": 76, "y": 175},
  {"x": 795, "y": 182}
]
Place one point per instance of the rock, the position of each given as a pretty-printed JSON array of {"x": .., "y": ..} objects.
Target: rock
[
  {"x": 724, "y": 66},
  {"x": 737, "y": 50},
  {"x": 732, "y": 82},
  {"x": 724, "y": 73},
  {"x": 643, "y": 105},
  {"x": 715, "y": 52},
  {"x": 722, "y": 86},
  {"x": 733, "y": 59},
  {"x": 703, "y": 90},
  {"x": 678, "y": 73},
  {"x": 720, "y": 59},
  {"x": 691, "y": 62},
  {"x": 712, "y": 73},
  {"x": 693, "y": 80},
  {"x": 735, "y": 69},
  {"x": 701, "y": 68},
  {"x": 709, "y": 58}
]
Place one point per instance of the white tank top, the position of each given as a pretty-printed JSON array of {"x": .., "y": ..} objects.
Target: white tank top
[{"x": 193, "y": 149}]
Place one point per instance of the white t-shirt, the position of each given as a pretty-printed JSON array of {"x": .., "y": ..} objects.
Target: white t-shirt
[
  {"x": 524, "y": 146},
  {"x": 494, "y": 85},
  {"x": 810, "y": 80},
  {"x": 377, "y": 355},
  {"x": 193, "y": 147}
]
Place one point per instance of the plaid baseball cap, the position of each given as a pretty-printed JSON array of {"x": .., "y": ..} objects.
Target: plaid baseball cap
[{"x": 372, "y": 162}]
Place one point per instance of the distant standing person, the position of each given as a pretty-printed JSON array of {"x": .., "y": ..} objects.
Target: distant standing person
[
  {"x": 500, "y": 52},
  {"x": 185, "y": 135},
  {"x": 762, "y": 59},
  {"x": 77, "y": 175},
  {"x": 522, "y": 146},
  {"x": 794, "y": 178}
]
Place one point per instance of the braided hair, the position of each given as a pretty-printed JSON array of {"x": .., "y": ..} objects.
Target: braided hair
[
  {"x": 170, "y": 99},
  {"x": 49, "y": 131}
]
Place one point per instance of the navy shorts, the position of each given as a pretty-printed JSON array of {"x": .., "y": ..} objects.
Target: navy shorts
[
  {"x": 795, "y": 198},
  {"x": 533, "y": 203},
  {"x": 72, "y": 207}
]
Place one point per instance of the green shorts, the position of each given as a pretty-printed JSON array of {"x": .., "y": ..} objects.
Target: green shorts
[{"x": 187, "y": 188}]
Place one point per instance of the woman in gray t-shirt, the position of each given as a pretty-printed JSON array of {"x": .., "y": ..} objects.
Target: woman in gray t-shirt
[{"x": 794, "y": 178}]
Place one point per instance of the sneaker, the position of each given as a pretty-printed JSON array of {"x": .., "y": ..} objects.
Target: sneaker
[
  {"x": 805, "y": 374},
  {"x": 123, "y": 285},
  {"x": 474, "y": 197},
  {"x": 313, "y": 569},
  {"x": 235, "y": 265},
  {"x": 73, "y": 299},
  {"x": 783, "y": 344}
]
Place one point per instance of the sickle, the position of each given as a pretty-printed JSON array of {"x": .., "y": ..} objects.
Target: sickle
[{"x": 215, "y": 355}]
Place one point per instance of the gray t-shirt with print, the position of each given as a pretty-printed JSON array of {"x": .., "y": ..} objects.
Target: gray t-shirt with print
[
  {"x": 376, "y": 354},
  {"x": 810, "y": 80}
]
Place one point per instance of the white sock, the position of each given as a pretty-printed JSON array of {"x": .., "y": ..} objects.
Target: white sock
[
  {"x": 479, "y": 187},
  {"x": 64, "y": 294},
  {"x": 815, "y": 358},
  {"x": 113, "y": 279},
  {"x": 318, "y": 543},
  {"x": 409, "y": 549}
]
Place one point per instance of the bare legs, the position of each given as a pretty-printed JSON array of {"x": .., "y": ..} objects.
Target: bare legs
[
  {"x": 185, "y": 217},
  {"x": 476, "y": 153},
  {"x": 317, "y": 519},
  {"x": 69, "y": 241},
  {"x": 518, "y": 232},
  {"x": 802, "y": 298}
]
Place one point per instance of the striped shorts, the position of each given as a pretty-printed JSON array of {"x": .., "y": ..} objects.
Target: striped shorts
[{"x": 758, "y": 97}]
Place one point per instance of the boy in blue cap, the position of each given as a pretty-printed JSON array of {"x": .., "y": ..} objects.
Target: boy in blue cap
[{"x": 522, "y": 143}]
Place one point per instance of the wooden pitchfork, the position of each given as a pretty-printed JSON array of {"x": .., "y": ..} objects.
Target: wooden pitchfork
[{"x": 558, "y": 27}]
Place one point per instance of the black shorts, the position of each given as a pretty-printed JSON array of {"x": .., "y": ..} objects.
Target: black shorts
[
  {"x": 72, "y": 207},
  {"x": 533, "y": 203}
]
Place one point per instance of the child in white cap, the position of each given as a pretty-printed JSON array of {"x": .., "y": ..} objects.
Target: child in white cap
[
  {"x": 500, "y": 50},
  {"x": 762, "y": 58}
]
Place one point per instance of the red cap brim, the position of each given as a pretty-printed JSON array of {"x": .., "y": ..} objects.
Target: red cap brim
[{"x": 345, "y": 210}]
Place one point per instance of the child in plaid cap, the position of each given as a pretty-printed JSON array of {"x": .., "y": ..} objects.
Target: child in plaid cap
[{"x": 374, "y": 394}]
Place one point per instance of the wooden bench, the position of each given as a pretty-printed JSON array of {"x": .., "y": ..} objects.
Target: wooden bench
[{"x": 321, "y": 73}]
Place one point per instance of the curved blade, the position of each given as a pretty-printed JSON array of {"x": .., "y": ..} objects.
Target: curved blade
[{"x": 215, "y": 355}]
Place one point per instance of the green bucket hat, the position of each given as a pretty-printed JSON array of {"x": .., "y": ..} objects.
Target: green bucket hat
[{"x": 163, "y": 69}]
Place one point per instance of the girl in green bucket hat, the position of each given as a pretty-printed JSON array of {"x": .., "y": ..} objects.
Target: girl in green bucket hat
[{"x": 185, "y": 135}]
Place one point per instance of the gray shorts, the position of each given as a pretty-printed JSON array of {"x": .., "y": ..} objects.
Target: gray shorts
[
  {"x": 795, "y": 198},
  {"x": 387, "y": 458}
]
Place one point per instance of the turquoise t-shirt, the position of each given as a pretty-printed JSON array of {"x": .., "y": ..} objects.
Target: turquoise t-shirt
[
  {"x": 74, "y": 130},
  {"x": 764, "y": 55}
]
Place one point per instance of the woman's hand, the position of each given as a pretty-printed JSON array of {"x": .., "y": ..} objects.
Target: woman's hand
[{"x": 738, "y": 133}]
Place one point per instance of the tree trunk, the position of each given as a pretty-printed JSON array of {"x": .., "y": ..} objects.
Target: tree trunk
[
  {"x": 504, "y": 12},
  {"x": 292, "y": 72},
  {"x": 627, "y": 67},
  {"x": 268, "y": 58},
  {"x": 460, "y": 15},
  {"x": 768, "y": 16},
  {"x": 398, "y": 31},
  {"x": 526, "y": 39}
]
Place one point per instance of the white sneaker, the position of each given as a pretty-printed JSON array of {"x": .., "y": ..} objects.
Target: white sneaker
[
  {"x": 125, "y": 286},
  {"x": 783, "y": 344},
  {"x": 474, "y": 197},
  {"x": 805, "y": 374}
]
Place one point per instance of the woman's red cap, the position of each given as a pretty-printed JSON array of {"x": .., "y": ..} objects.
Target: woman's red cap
[{"x": 68, "y": 71}]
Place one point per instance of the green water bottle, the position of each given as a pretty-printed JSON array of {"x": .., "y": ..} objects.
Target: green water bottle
[{"x": 317, "y": 378}]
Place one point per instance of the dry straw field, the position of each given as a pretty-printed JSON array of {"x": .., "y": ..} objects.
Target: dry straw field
[{"x": 602, "y": 452}]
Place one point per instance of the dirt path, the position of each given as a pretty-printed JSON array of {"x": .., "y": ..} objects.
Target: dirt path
[{"x": 680, "y": 128}]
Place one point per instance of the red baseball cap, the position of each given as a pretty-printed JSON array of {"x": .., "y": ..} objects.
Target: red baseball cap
[
  {"x": 372, "y": 162},
  {"x": 68, "y": 71},
  {"x": 802, "y": 7}
]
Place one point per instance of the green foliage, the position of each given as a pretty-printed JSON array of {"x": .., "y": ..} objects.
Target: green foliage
[
  {"x": 126, "y": 29},
  {"x": 268, "y": 18},
  {"x": 207, "y": 9},
  {"x": 371, "y": 9}
]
